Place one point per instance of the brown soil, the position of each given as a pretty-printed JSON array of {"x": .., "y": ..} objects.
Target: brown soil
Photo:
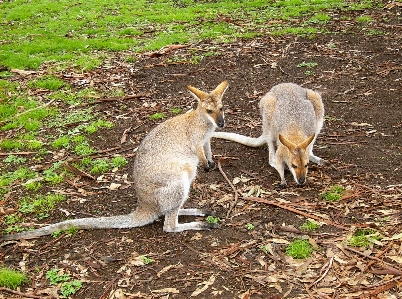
[{"x": 359, "y": 75}]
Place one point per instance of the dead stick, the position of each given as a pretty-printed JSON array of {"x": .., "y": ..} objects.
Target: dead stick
[
  {"x": 375, "y": 258},
  {"x": 257, "y": 199},
  {"x": 233, "y": 187},
  {"x": 325, "y": 273},
  {"x": 22, "y": 294},
  {"x": 19, "y": 153}
]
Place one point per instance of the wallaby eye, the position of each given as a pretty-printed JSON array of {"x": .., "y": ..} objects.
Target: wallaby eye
[
  {"x": 220, "y": 109},
  {"x": 209, "y": 111},
  {"x": 306, "y": 165},
  {"x": 294, "y": 166}
]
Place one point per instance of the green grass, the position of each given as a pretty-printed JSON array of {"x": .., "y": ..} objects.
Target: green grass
[
  {"x": 40, "y": 205},
  {"x": 76, "y": 32},
  {"x": 213, "y": 220},
  {"x": 299, "y": 249},
  {"x": 157, "y": 115},
  {"x": 333, "y": 194},
  {"x": 310, "y": 225},
  {"x": 363, "y": 238},
  {"x": 11, "y": 279}
]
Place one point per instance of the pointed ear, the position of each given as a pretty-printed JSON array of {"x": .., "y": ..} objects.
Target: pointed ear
[
  {"x": 198, "y": 94},
  {"x": 220, "y": 89},
  {"x": 289, "y": 144},
  {"x": 306, "y": 142}
]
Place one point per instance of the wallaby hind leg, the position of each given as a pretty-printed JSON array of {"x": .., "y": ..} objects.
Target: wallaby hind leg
[
  {"x": 267, "y": 107},
  {"x": 177, "y": 193}
]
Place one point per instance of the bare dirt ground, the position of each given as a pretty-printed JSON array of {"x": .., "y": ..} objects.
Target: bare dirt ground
[{"x": 359, "y": 75}]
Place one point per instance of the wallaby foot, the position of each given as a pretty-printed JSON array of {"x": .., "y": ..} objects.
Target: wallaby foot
[
  {"x": 171, "y": 224},
  {"x": 211, "y": 165},
  {"x": 281, "y": 185}
]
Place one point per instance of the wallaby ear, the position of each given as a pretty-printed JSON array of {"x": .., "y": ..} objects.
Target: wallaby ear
[
  {"x": 286, "y": 142},
  {"x": 306, "y": 142},
  {"x": 198, "y": 94},
  {"x": 220, "y": 89}
]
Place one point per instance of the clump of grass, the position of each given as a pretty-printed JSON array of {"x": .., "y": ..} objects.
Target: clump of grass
[
  {"x": 157, "y": 115},
  {"x": 94, "y": 126},
  {"x": 69, "y": 232},
  {"x": 333, "y": 194},
  {"x": 300, "y": 249},
  {"x": 12, "y": 279},
  {"x": 213, "y": 220},
  {"x": 146, "y": 260},
  {"x": 47, "y": 82},
  {"x": 310, "y": 225},
  {"x": 100, "y": 166},
  {"x": 41, "y": 205},
  {"x": 250, "y": 226},
  {"x": 11, "y": 159},
  {"x": 363, "y": 237},
  {"x": 176, "y": 110},
  {"x": 118, "y": 161}
]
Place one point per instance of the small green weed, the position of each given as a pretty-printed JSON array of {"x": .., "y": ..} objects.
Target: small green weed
[
  {"x": 34, "y": 186},
  {"x": 307, "y": 64},
  {"x": 176, "y": 110},
  {"x": 41, "y": 205},
  {"x": 157, "y": 115},
  {"x": 55, "y": 276},
  {"x": 11, "y": 219},
  {"x": 14, "y": 228},
  {"x": 83, "y": 149},
  {"x": 146, "y": 260},
  {"x": 118, "y": 161},
  {"x": 100, "y": 166},
  {"x": 70, "y": 288},
  {"x": 12, "y": 279},
  {"x": 333, "y": 194},
  {"x": 250, "y": 226},
  {"x": 11, "y": 159},
  {"x": 213, "y": 220},
  {"x": 364, "y": 19},
  {"x": 363, "y": 237},
  {"x": 264, "y": 248},
  {"x": 71, "y": 231},
  {"x": 61, "y": 142},
  {"x": 94, "y": 126},
  {"x": 310, "y": 225},
  {"x": 299, "y": 249}
]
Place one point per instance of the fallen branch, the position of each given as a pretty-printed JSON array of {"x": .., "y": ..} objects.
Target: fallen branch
[
  {"x": 387, "y": 266},
  {"x": 257, "y": 199},
  {"x": 233, "y": 187},
  {"x": 127, "y": 97},
  {"x": 77, "y": 171},
  {"x": 17, "y": 154},
  {"x": 325, "y": 273},
  {"x": 22, "y": 294}
]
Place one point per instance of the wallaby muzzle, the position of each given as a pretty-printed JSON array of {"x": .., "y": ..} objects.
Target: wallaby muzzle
[
  {"x": 302, "y": 180},
  {"x": 220, "y": 121}
]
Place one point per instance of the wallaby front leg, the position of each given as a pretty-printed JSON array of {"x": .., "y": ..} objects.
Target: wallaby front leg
[
  {"x": 208, "y": 153},
  {"x": 202, "y": 157}
]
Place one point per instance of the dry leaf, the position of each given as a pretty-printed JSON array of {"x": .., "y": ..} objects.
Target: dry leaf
[
  {"x": 114, "y": 186},
  {"x": 207, "y": 283},
  {"x": 167, "y": 290}
]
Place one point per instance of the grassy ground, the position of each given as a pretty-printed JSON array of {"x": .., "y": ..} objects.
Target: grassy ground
[
  {"x": 47, "y": 37},
  {"x": 78, "y": 33}
]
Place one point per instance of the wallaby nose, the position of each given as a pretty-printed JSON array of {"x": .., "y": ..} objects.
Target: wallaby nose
[
  {"x": 221, "y": 122},
  {"x": 302, "y": 180}
]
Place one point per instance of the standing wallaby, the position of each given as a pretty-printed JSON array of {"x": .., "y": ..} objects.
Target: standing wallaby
[
  {"x": 164, "y": 168},
  {"x": 292, "y": 117}
]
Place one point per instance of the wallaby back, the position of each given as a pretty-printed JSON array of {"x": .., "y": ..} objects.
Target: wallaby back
[{"x": 165, "y": 165}]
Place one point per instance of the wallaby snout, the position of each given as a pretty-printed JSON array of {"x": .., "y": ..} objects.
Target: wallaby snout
[{"x": 220, "y": 121}]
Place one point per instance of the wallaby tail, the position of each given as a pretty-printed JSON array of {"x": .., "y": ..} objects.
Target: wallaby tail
[
  {"x": 249, "y": 141},
  {"x": 120, "y": 221}
]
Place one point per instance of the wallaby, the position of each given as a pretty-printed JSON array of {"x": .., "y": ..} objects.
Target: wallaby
[
  {"x": 164, "y": 168},
  {"x": 292, "y": 117}
]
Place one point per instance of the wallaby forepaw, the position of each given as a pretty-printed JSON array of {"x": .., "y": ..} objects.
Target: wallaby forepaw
[
  {"x": 281, "y": 185},
  {"x": 212, "y": 225},
  {"x": 210, "y": 166},
  {"x": 209, "y": 213}
]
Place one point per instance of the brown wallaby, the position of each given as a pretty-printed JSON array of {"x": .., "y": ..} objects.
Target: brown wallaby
[
  {"x": 164, "y": 168},
  {"x": 292, "y": 117}
]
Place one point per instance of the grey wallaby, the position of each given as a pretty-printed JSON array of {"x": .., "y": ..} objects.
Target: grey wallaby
[
  {"x": 164, "y": 168},
  {"x": 292, "y": 117}
]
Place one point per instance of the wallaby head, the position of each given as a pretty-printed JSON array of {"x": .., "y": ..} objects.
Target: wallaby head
[
  {"x": 210, "y": 104},
  {"x": 297, "y": 157}
]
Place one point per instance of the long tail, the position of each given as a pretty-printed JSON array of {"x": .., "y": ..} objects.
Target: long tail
[
  {"x": 249, "y": 141},
  {"x": 120, "y": 221}
]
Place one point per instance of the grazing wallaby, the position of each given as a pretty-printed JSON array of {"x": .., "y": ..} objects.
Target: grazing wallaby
[
  {"x": 292, "y": 117},
  {"x": 164, "y": 167}
]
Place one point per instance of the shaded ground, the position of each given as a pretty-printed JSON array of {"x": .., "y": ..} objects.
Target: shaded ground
[{"x": 359, "y": 75}]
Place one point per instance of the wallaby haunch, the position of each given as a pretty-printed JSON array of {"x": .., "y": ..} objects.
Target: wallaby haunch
[
  {"x": 292, "y": 117},
  {"x": 164, "y": 168}
]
